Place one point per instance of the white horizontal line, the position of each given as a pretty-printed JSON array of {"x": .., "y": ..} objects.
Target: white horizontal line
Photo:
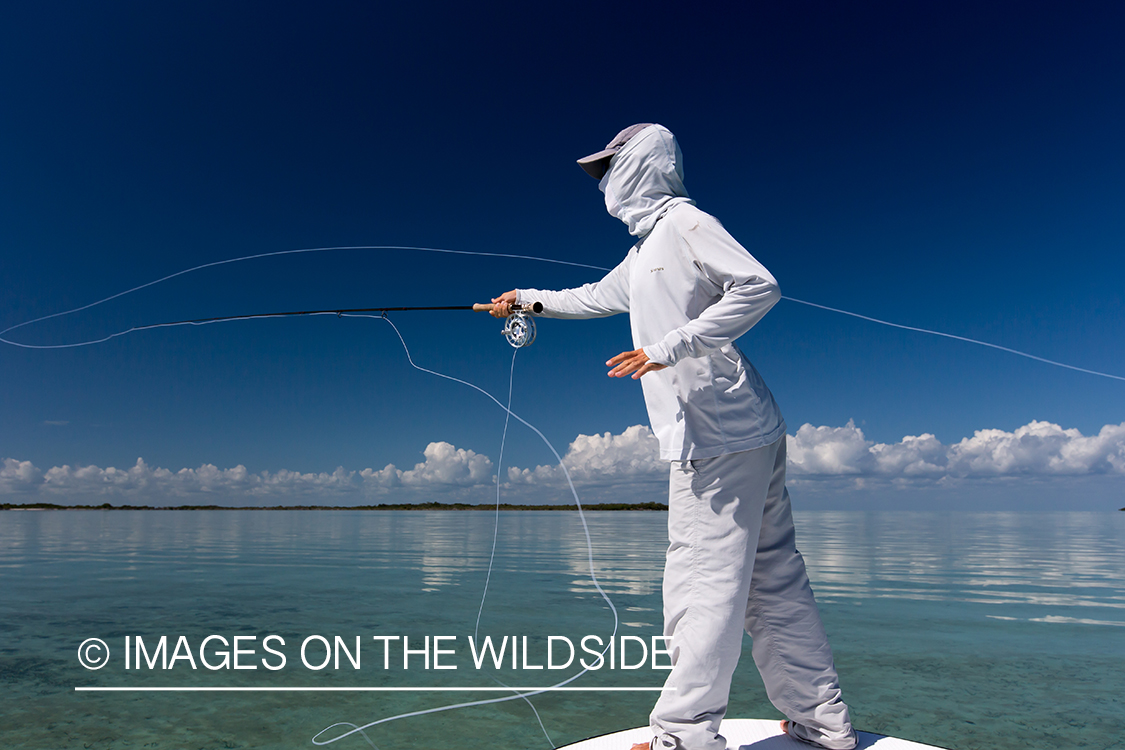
[{"x": 362, "y": 689}]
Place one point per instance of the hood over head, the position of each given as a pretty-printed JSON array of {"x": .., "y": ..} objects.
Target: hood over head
[{"x": 645, "y": 179}]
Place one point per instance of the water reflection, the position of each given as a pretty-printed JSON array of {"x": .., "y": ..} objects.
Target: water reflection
[
  {"x": 1049, "y": 559},
  {"x": 1043, "y": 559},
  {"x": 1035, "y": 598}
]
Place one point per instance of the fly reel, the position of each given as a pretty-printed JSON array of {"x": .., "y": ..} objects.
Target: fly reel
[{"x": 519, "y": 329}]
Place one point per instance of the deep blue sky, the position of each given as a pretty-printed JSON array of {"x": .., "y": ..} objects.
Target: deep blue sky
[{"x": 957, "y": 166}]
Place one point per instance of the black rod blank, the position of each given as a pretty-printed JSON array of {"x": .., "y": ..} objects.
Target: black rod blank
[{"x": 535, "y": 307}]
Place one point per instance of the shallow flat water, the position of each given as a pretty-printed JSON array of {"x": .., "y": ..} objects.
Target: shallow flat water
[{"x": 964, "y": 630}]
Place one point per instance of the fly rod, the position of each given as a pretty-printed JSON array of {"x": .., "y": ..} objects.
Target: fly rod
[{"x": 519, "y": 328}]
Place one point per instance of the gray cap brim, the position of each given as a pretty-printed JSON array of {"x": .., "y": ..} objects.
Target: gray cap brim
[{"x": 596, "y": 165}]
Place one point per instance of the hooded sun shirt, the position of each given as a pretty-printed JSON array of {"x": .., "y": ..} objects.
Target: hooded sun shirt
[{"x": 690, "y": 290}]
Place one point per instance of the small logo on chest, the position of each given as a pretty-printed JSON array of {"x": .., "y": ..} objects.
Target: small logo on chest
[{"x": 658, "y": 268}]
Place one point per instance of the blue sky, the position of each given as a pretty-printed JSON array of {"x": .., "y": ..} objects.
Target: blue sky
[{"x": 954, "y": 166}]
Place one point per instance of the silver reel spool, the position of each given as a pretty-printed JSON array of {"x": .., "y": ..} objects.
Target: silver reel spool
[{"x": 519, "y": 329}]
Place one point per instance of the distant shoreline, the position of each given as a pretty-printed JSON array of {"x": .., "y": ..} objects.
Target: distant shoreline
[{"x": 382, "y": 506}]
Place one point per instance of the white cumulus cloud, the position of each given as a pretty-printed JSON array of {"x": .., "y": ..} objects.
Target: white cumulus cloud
[
  {"x": 445, "y": 465},
  {"x": 1041, "y": 448},
  {"x": 634, "y": 454},
  {"x": 1036, "y": 449},
  {"x": 147, "y": 482},
  {"x": 18, "y": 477},
  {"x": 829, "y": 450},
  {"x": 618, "y": 467}
]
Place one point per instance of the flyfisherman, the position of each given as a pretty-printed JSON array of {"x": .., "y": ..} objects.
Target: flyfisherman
[{"x": 690, "y": 290}]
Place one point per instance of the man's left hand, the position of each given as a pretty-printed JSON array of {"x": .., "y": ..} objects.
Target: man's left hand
[{"x": 635, "y": 362}]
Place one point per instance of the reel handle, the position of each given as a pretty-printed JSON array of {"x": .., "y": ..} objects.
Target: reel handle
[{"x": 534, "y": 307}]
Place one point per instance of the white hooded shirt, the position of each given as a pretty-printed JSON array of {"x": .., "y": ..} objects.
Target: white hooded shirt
[{"x": 690, "y": 290}]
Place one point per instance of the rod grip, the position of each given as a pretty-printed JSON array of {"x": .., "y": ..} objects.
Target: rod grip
[{"x": 534, "y": 307}]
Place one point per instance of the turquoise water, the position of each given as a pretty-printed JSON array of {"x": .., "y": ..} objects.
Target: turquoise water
[{"x": 964, "y": 630}]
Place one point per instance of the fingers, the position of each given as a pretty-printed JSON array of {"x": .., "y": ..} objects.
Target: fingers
[
  {"x": 635, "y": 362},
  {"x": 620, "y": 363},
  {"x": 644, "y": 369},
  {"x": 502, "y": 305},
  {"x": 626, "y": 362},
  {"x": 619, "y": 358}
]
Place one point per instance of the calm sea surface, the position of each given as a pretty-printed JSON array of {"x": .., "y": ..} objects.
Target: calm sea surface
[{"x": 964, "y": 630}]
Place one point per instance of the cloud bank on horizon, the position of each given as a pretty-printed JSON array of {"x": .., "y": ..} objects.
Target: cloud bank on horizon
[{"x": 604, "y": 467}]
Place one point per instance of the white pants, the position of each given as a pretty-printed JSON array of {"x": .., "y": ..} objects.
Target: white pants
[{"x": 733, "y": 563}]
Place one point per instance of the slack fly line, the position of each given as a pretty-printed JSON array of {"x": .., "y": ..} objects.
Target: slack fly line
[{"x": 519, "y": 330}]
